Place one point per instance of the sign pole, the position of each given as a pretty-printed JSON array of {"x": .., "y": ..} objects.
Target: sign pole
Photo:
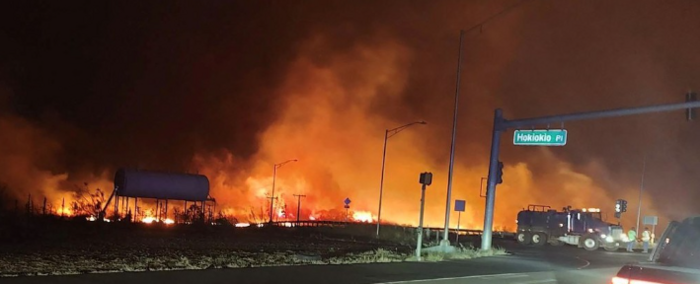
[
  {"x": 420, "y": 224},
  {"x": 491, "y": 181},
  {"x": 347, "y": 208},
  {"x": 425, "y": 180},
  {"x": 459, "y": 217}
]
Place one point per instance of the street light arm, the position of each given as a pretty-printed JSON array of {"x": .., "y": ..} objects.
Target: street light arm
[
  {"x": 394, "y": 131},
  {"x": 282, "y": 163},
  {"x": 274, "y": 176}
]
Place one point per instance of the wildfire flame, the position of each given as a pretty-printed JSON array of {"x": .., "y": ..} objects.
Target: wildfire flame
[
  {"x": 64, "y": 211},
  {"x": 242, "y": 225},
  {"x": 281, "y": 213},
  {"x": 148, "y": 220},
  {"x": 363, "y": 216}
]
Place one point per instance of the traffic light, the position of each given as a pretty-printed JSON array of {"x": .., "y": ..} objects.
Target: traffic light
[
  {"x": 426, "y": 178},
  {"x": 499, "y": 173},
  {"x": 690, "y": 112},
  {"x": 620, "y": 206}
]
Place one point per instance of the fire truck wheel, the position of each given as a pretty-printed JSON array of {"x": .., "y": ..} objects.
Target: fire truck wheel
[
  {"x": 539, "y": 239},
  {"x": 523, "y": 238},
  {"x": 590, "y": 243}
]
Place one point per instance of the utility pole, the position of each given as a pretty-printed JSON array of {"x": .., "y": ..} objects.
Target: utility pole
[{"x": 299, "y": 196}]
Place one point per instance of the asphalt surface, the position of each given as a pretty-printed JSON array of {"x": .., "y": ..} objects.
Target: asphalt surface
[{"x": 525, "y": 265}]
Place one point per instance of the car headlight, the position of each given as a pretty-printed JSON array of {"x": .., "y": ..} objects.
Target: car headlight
[
  {"x": 602, "y": 236},
  {"x": 609, "y": 239}
]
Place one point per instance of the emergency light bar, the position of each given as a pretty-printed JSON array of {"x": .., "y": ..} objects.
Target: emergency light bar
[{"x": 590, "y": 209}]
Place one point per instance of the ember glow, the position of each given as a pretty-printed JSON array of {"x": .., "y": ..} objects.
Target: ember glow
[
  {"x": 363, "y": 216},
  {"x": 148, "y": 220},
  {"x": 64, "y": 212}
]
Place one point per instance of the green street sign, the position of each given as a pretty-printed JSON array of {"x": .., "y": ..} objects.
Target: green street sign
[{"x": 551, "y": 137}]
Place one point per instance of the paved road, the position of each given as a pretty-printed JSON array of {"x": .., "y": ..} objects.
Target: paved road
[{"x": 525, "y": 266}]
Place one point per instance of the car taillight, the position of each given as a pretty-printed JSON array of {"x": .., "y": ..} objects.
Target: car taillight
[{"x": 620, "y": 280}]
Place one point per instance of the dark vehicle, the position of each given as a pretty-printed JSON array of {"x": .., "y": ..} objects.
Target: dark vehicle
[
  {"x": 540, "y": 224},
  {"x": 675, "y": 260}
]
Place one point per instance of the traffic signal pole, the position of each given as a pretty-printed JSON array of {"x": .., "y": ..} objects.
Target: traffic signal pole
[
  {"x": 491, "y": 183},
  {"x": 500, "y": 124}
]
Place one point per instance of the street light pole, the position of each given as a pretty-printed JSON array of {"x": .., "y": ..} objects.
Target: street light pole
[
  {"x": 387, "y": 134},
  {"x": 274, "y": 176},
  {"x": 381, "y": 183},
  {"x": 445, "y": 240}
]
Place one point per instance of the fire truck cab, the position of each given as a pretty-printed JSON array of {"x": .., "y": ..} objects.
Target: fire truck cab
[{"x": 539, "y": 225}]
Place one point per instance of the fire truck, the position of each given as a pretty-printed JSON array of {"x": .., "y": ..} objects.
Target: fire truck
[{"x": 585, "y": 228}]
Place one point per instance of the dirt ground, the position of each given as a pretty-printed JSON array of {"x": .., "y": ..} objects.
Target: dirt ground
[{"x": 49, "y": 246}]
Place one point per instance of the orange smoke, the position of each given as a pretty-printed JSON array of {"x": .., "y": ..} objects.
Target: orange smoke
[
  {"x": 333, "y": 109},
  {"x": 331, "y": 118}
]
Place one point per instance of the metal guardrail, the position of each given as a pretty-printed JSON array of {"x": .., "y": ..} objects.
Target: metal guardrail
[{"x": 309, "y": 223}]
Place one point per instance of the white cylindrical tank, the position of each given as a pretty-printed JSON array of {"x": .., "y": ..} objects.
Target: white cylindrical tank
[{"x": 161, "y": 185}]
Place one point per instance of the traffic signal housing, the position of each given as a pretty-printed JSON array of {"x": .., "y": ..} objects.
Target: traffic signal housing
[
  {"x": 426, "y": 178},
  {"x": 499, "y": 173},
  {"x": 620, "y": 207}
]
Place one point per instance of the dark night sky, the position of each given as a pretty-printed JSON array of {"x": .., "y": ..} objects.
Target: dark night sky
[{"x": 150, "y": 84}]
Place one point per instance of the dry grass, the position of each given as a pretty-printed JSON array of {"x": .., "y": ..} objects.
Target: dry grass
[
  {"x": 43, "y": 265},
  {"x": 374, "y": 256},
  {"x": 90, "y": 248},
  {"x": 462, "y": 253}
]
